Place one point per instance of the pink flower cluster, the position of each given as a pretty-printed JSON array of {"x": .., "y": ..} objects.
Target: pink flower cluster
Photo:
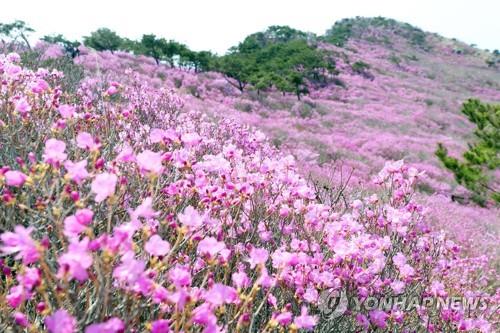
[{"x": 140, "y": 214}]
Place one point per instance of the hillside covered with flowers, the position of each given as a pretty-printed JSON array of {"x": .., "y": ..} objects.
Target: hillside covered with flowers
[{"x": 137, "y": 196}]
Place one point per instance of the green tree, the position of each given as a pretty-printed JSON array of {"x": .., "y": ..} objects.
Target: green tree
[
  {"x": 152, "y": 46},
  {"x": 15, "y": 30},
  {"x": 103, "y": 39},
  {"x": 476, "y": 170},
  {"x": 238, "y": 68}
]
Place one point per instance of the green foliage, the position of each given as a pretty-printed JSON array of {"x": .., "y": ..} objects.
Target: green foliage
[
  {"x": 361, "y": 27},
  {"x": 103, "y": 39},
  {"x": 152, "y": 46},
  {"x": 280, "y": 57},
  {"x": 340, "y": 32},
  {"x": 15, "y": 30},
  {"x": 476, "y": 170},
  {"x": 70, "y": 47}
]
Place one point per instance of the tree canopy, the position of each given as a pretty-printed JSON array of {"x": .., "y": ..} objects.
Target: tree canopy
[
  {"x": 103, "y": 39},
  {"x": 476, "y": 170},
  {"x": 15, "y": 30},
  {"x": 280, "y": 57}
]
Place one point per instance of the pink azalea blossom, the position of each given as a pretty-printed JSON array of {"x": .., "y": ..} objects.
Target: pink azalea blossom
[
  {"x": 30, "y": 278},
  {"x": 150, "y": 162},
  {"x": 145, "y": 210},
  {"x": 190, "y": 139},
  {"x": 22, "y": 106},
  {"x": 258, "y": 257},
  {"x": 203, "y": 315},
  {"x": 130, "y": 269},
  {"x": 113, "y": 89},
  {"x": 17, "y": 295},
  {"x": 60, "y": 322},
  {"x": 221, "y": 294},
  {"x": 54, "y": 152},
  {"x": 126, "y": 154},
  {"x": 156, "y": 246},
  {"x": 75, "y": 261},
  {"x": 15, "y": 178},
  {"x": 284, "y": 318},
  {"x": 39, "y": 86},
  {"x": 113, "y": 325},
  {"x": 210, "y": 247},
  {"x": 240, "y": 280},
  {"x": 379, "y": 318},
  {"x": 20, "y": 242},
  {"x": 85, "y": 141},
  {"x": 179, "y": 276},
  {"x": 190, "y": 218},
  {"x": 66, "y": 111},
  {"x": 362, "y": 321},
  {"x": 160, "y": 326},
  {"x": 21, "y": 319},
  {"x": 305, "y": 321},
  {"x": 104, "y": 185},
  {"x": 76, "y": 171},
  {"x": 398, "y": 287}
]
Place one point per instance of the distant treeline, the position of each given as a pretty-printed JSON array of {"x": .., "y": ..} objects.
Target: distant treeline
[{"x": 281, "y": 58}]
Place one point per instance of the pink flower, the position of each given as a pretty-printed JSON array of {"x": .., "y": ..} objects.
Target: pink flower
[
  {"x": 379, "y": 318},
  {"x": 145, "y": 210},
  {"x": 60, "y": 322},
  {"x": 437, "y": 289},
  {"x": 156, "y": 135},
  {"x": 190, "y": 139},
  {"x": 190, "y": 218},
  {"x": 30, "y": 278},
  {"x": 258, "y": 257},
  {"x": 203, "y": 315},
  {"x": 66, "y": 111},
  {"x": 76, "y": 171},
  {"x": 22, "y": 106},
  {"x": 85, "y": 141},
  {"x": 180, "y": 276},
  {"x": 15, "y": 178},
  {"x": 20, "y": 241},
  {"x": 21, "y": 319},
  {"x": 362, "y": 321},
  {"x": 210, "y": 247},
  {"x": 54, "y": 152},
  {"x": 113, "y": 325},
  {"x": 160, "y": 326},
  {"x": 16, "y": 296},
  {"x": 156, "y": 246},
  {"x": 221, "y": 294},
  {"x": 130, "y": 269},
  {"x": 398, "y": 287},
  {"x": 112, "y": 90},
  {"x": 75, "y": 261},
  {"x": 406, "y": 271},
  {"x": 399, "y": 259},
  {"x": 39, "y": 86},
  {"x": 104, "y": 185},
  {"x": 240, "y": 280},
  {"x": 150, "y": 162},
  {"x": 305, "y": 321},
  {"x": 284, "y": 318}
]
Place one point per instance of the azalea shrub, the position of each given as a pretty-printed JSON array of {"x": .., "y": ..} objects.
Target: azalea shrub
[{"x": 122, "y": 210}]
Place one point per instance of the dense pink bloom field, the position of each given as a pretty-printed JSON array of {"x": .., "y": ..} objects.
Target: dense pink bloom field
[{"x": 145, "y": 202}]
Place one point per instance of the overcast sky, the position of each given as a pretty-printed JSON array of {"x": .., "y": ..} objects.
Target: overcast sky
[{"x": 218, "y": 24}]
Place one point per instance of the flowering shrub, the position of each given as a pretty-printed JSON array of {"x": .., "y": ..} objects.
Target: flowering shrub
[{"x": 124, "y": 212}]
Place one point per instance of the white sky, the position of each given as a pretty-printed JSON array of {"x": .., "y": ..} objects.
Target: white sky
[{"x": 219, "y": 24}]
